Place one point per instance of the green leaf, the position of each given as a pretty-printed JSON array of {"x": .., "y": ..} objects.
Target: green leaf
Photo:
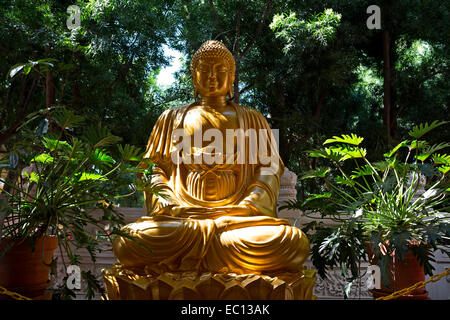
[
  {"x": 34, "y": 177},
  {"x": 444, "y": 169},
  {"x": 15, "y": 69},
  {"x": 344, "y": 181},
  {"x": 13, "y": 160},
  {"x": 53, "y": 144},
  {"x": 349, "y": 152},
  {"x": 27, "y": 68},
  {"x": 441, "y": 159},
  {"x": 93, "y": 285},
  {"x": 420, "y": 145},
  {"x": 326, "y": 195},
  {"x": 352, "y": 139},
  {"x": 381, "y": 165},
  {"x": 363, "y": 171},
  {"x": 130, "y": 153},
  {"x": 401, "y": 242},
  {"x": 427, "y": 169},
  {"x": 421, "y": 129},
  {"x": 394, "y": 150},
  {"x": 427, "y": 152},
  {"x": 347, "y": 289},
  {"x": 47, "y": 61},
  {"x": 42, "y": 128},
  {"x": 91, "y": 176},
  {"x": 387, "y": 185},
  {"x": 317, "y": 173},
  {"x": 101, "y": 158},
  {"x": 66, "y": 118},
  {"x": 44, "y": 157},
  {"x": 326, "y": 153},
  {"x": 423, "y": 157},
  {"x": 100, "y": 136}
]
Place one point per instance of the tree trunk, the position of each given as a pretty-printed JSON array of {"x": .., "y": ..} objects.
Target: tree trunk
[
  {"x": 49, "y": 89},
  {"x": 390, "y": 111},
  {"x": 236, "y": 92},
  {"x": 50, "y": 96},
  {"x": 49, "y": 84},
  {"x": 75, "y": 86},
  {"x": 22, "y": 112},
  {"x": 278, "y": 112},
  {"x": 387, "y": 99},
  {"x": 236, "y": 50},
  {"x": 238, "y": 55}
]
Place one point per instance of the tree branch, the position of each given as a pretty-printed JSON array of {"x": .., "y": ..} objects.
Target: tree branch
[
  {"x": 11, "y": 131},
  {"x": 216, "y": 18},
  {"x": 236, "y": 49},
  {"x": 319, "y": 105},
  {"x": 258, "y": 30},
  {"x": 432, "y": 74},
  {"x": 245, "y": 88}
]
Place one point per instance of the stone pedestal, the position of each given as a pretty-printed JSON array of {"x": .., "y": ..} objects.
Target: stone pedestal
[{"x": 124, "y": 284}]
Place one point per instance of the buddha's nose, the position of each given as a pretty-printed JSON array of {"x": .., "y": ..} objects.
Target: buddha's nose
[{"x": 212, "y": 74}]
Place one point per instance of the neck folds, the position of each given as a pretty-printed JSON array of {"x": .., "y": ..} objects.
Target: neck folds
[{"x": 220, "y": 101}]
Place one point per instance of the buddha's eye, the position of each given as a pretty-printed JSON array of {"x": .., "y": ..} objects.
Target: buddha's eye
[{"x": 203, "y": 68}]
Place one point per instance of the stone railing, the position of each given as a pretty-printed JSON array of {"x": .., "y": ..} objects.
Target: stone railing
[{"x": 330, "y": 288}]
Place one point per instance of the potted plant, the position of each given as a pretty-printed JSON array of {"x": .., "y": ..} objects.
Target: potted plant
[
  {"x": 393, "y": 212},
  {"x": 55, "y": 180}
]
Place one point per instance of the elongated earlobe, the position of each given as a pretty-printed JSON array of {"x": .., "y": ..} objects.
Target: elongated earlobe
[
  {"x": 230, "y": 88},
  {"x": 195, "y": 93},
  {"x": 194, "y": 83}
]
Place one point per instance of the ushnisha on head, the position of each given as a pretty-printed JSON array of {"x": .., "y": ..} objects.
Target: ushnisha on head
[{"x": 213, "y": 69}]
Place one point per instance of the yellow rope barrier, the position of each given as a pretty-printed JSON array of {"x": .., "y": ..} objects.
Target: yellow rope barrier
[
  {"x": 417, "y": 285},
  {"x": 14, "y": 295}
]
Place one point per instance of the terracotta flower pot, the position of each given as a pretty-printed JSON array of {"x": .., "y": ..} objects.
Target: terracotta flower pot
[
  {"x": 402, "y": 274},
  {"x": 23, "y": 271}
]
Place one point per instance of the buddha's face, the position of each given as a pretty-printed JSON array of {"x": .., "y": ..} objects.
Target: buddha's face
[{"x": 213, "y": 78}]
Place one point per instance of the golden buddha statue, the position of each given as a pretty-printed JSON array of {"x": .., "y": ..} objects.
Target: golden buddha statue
[{"x": 220, "y": 212}]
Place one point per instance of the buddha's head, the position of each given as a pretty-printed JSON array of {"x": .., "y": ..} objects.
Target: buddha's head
[{"x": 212, "y": 69}]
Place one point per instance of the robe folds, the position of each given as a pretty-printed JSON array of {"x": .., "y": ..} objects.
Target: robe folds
[{"x": 213, "y": 240}]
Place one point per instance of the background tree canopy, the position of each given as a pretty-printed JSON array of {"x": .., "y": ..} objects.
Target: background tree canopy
[{"x": 313, "y": 68}]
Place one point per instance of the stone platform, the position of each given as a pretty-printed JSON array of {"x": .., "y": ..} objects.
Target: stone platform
[{"x": 124, "y": 284}]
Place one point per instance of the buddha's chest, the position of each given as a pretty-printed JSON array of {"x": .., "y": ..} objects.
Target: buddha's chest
[
  {"x": 201, "y": 118},
  {"x": 208, "y": 174}
]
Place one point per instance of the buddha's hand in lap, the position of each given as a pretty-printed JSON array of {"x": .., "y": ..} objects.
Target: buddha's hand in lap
[
  {"x": 205, "y": 213},
  {"x": 228, "y": 223}
]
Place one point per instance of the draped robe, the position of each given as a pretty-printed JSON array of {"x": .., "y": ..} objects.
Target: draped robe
[{"x": 218, "y": 241}]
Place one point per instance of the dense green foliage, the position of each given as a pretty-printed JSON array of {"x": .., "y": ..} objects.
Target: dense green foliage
[
  {"x": 312, "y": 67},
  {"x": 60, "y": 179},
  {"x": 390, "y": 206},
  {"x": 104, "y": 69}
]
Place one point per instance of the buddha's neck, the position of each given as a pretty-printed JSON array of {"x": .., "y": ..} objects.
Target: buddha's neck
[{"x": 215, "y": 102}]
